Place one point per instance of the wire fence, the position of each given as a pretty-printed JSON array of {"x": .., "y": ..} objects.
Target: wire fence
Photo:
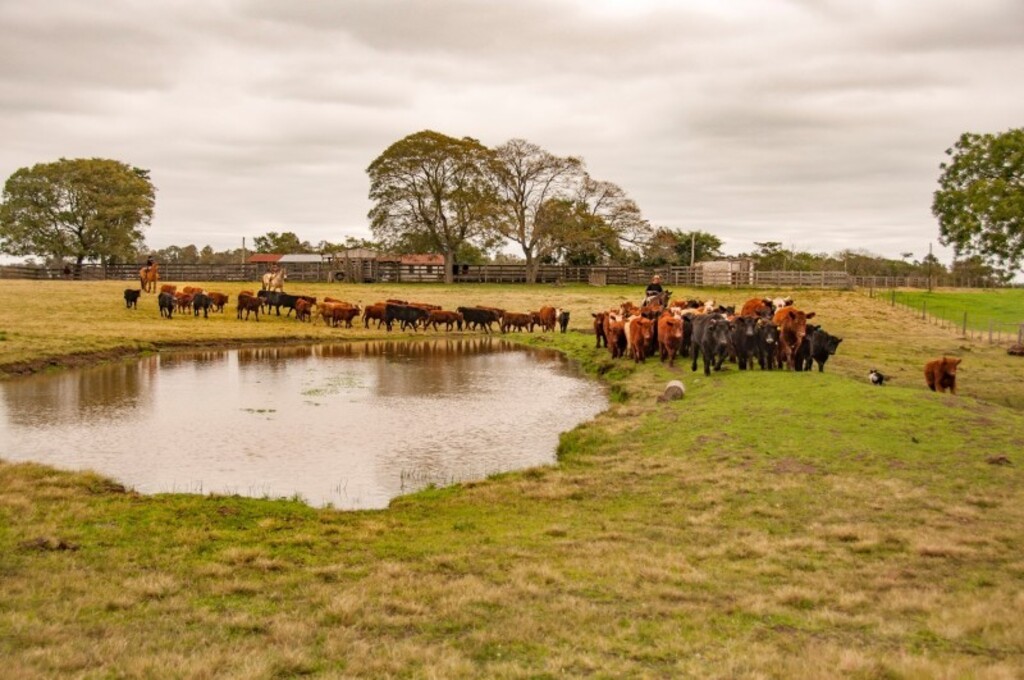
[{"x": 968, "y": 323}]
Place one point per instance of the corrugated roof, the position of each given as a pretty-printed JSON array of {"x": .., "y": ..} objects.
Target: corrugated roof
[
  {"x": 260, "y": 258},
  {"x": 301, "y": 257}
]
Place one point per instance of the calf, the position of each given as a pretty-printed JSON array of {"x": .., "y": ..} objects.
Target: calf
[
  {"x": 341, "y": 313},
  {"x": 600, "y": 318},
  {"x": 563, "y": 320},
  {"x": 375, "y": 311},
  {"x": 447, "y": 317},
  {"x": 201, "y": 301},
  {"x": 823, "y": 345},
  {"x": 670, "y": 337},
  {"x": 303, "y": 309},
  {"x": 183, "y": 301},
  {"x": 711, "y": 340},
  {"x": 217, "y": 301},
  {"x": 166, "y": 303},
  {"x": 940, "y": 374},
  {"x": 131, "y": 297},
  {"x": 249, "y": 304},
  {"x": 767, "y": 344},
  {"x": 744, "y": 340}
]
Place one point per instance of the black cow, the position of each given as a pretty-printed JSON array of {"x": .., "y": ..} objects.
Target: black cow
[
  {"x": 803, "y": 360},
  {"x": 744, "y": 340},
  {"x": 201, "y": 301},
  {"x": 563, "y": 320},
  {"x": 406, "y": 314},
  {"x": 823, "y": 345},
  {"x": 711, "y": 340},
  {"x": 166, "y": 303},
  {"x": 277, "y": 300},
  {"x": 131, "y": 297},
  {"x": 767, "y": 345},
  {"x": 476, "y": 316}
]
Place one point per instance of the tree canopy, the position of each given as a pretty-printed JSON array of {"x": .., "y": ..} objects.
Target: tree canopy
[
  {"x": 675, "y": 247},
  {"x": 980, "y": 201},
  {"x": 281, "y": 243},
  {"x": 432, "y": 189},
  {"x": 81, "y": 208},
  {"x": 528, "y": 178}
]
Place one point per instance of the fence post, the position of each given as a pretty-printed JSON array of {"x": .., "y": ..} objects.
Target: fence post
[
  {"x": 965, "y": 324},
  {"x": 1020, "y": 335},
  {"x": 924, "y": 310}
]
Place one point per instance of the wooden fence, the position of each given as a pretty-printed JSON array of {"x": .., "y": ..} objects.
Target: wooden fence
[{"x": 370, "y": 271}]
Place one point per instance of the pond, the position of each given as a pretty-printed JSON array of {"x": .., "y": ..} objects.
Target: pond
[{"x": 346, "y": 425}]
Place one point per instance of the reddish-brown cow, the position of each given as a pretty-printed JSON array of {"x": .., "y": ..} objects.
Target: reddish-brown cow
[
  {"x": 670, "y": 337},
  {"x": 640, "y": 333},
  {"x": 792, "y": 325},
  {"x": 940, "y": 374}
]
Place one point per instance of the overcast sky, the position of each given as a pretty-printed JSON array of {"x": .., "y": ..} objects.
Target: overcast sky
[{"x": 817, "y": 123}]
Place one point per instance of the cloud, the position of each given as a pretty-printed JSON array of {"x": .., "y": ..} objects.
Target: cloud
[{"x": 816, "y": 122}]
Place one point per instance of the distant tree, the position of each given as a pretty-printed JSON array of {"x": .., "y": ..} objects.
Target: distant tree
[
  {"x": 281, "y": 243},
  {"x": 980, "y": 201},
  {"x": 433, "y": 190},
  {"x": 673, "y": 247},
  {"x": 81, "y": 209},
  {"x": 578, "y": 236},
  {"x": 526, "y": 177}
]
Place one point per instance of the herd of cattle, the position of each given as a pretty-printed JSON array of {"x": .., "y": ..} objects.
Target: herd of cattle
[
  {"x": 774, "y": 333},
  {"x": 333, "y": 312}
]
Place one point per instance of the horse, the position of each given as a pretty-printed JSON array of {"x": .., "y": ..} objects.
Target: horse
[
  {"x": 148, "y": 276},
  {"x": 658, "y": 299},
  {"x": 275, "y": 280}
]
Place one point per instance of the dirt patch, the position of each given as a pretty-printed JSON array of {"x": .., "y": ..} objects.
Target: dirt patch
[{"x": 791, "y": 466}]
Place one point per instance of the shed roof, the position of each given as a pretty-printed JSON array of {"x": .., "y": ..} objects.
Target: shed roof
[{"x": 259, "y": 258}]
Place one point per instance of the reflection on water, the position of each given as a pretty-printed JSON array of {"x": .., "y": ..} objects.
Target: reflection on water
[{"x": 352, "y": 425}]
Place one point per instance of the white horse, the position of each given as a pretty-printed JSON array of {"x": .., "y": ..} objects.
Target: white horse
[{"x": 275, "y": 280}]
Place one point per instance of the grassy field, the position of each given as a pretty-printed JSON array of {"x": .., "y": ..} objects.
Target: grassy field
[
  {"x": 1004, "y": 308},
  {"x": 767, "y": 525}
]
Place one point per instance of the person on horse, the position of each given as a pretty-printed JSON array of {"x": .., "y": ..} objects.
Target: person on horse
[
  {"x": 149, "y": 262},
  {"x": 654, "y": 291}
]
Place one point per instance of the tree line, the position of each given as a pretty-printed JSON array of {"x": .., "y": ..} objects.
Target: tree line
[{"x": 470, "y": 203}]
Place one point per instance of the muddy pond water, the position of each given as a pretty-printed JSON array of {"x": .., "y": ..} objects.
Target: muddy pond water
[{"x": 346, "y": 425}]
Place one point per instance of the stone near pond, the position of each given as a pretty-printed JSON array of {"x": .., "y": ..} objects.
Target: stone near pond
[{"x": 674, "y": 390}]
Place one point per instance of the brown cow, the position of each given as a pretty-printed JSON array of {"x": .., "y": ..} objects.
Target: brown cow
[
  {"x": 547, "y": 317},
  {"x": 639, "y": 334},
  {"x": 757, "y": 307},
  {"x": 940, "y": 374},
  {"x": 448, "y": 318},
  {"x": 792, "y": 325},
  {"x": 168, "y": 288},
  {"x": 191, "y": 290},
  {"x": 615, "y": 332},
  {"x": 249, "y": 304},
  {"x": 303, "y": 309},
  {"x": 183, "y": 301},
  {"x": 517, "y": 321},
  {"x": 670, "y": 337},
  {"x": 374, "y": 311}
]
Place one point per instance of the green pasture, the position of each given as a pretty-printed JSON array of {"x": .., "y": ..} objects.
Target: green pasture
[
  {"x": 768, "y": 525},
  {"x": 1001, "y": 309}
]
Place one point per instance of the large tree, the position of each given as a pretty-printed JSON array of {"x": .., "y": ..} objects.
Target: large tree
[
  {"x": 528, "y": 178},
  {"x": 433, "y": 190},
  {"x": 980, "y": 201},
  {"x": 81, "y": 209}
]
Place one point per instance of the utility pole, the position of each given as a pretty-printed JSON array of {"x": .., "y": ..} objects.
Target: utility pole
[{"x": 693, "y": 247}]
